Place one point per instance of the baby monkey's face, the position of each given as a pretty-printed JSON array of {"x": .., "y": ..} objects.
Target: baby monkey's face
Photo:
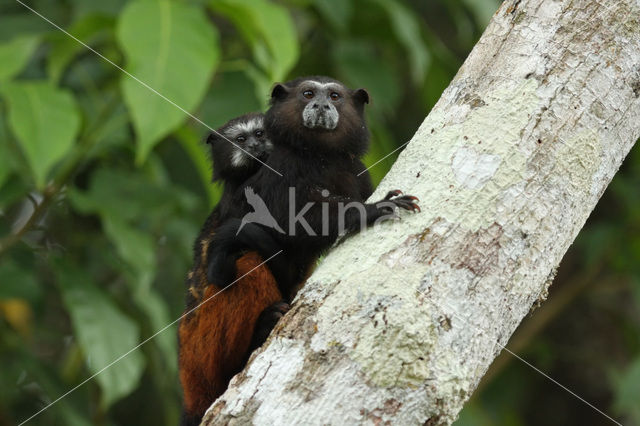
[
  {"x": 251, "y": 137},
  {"x": 239, "y": 148}
]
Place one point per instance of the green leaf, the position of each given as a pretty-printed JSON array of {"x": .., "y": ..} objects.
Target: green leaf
[
  {"x": 87, "y": 7},
  {"x": 157, "y": 311},
  {"x": 129, "y": 204},
  {"x": 191, "y": 143},
  {"x": 628, "y": 389},
  {"x": 382, "y": 144},
  {"x": 262, "y": 84},
  {"x": 45, "y": 120},
  {"x": 129, "y": 196},
  {"x": 172, "y": 48},
  {"x": 15, "y": 54},
  {"x": 16, "y": 282},
  {"x": 13, "y": 191},
  {"x": 216, "y": 108},
  {"x": 64, "y": 48},
  {"x": 361, "y": 67},
  {"x": 483, "y": 10},
  {"x": 13, "y": 25},
  {"x": 119, "y": 198},
  {"x": 270, "y": 31},
  {"x": 437, "y": 80},
  {"x": 134, "y": 247},
  {"x": 6, "y": 163},
  {"x": 337, "y": 12},
  {"x": 104, "y": 333},
  {"x": 407, "y": 29}
]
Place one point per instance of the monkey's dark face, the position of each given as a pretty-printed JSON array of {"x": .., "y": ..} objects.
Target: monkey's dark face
[
  {"x": 236, "y": 155},
  {"x": 321, "y": 102},
  {"x": 318, "y": 113}
]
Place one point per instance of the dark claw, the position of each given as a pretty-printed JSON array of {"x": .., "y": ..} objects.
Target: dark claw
[
  {"x": 280, "y": 307},
  {"x": 407, "y": 202},
  {"x": 393, "y": 193},
  {"x": 405, "y": 206}
]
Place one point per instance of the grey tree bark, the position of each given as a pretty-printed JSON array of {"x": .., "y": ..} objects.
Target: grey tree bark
[{"x": 398, "y": 324}]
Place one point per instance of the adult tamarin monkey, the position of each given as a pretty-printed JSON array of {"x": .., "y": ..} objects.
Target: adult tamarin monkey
[
  {"x": 217, "y": 337},
  {"x": 318, "y": 130}
]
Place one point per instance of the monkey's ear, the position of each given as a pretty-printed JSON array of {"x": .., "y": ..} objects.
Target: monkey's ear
[
  {"x": 279, "y": 91},
  {"x": 362, "y": 96},
  {"x": 212, "y": 138}
]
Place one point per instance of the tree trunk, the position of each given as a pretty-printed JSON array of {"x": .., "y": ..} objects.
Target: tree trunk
[{"x": 399, "y": 323}]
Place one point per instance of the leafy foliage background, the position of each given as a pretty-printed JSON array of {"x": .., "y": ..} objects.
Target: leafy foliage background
[{"x": 104, "y": 185}]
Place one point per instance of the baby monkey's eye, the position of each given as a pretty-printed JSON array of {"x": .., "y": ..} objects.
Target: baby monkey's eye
[
  {"x": 258, "y": 133},
  {"x": 334, "y": 96},
  {"x": 241, "y": 139},
  {"x": 308, "y": 94}
]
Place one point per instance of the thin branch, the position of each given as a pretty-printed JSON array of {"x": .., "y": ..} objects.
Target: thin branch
[{"x": 68, "y": 170}]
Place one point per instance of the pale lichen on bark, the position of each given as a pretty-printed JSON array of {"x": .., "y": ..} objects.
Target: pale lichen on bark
[{"x": 399, "y": 323}]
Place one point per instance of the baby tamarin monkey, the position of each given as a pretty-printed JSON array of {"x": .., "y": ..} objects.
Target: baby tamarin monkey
[{"x": 217, "y": 337}]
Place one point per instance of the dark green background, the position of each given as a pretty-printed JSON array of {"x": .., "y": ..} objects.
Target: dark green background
[{"x": 123, "y": 184}]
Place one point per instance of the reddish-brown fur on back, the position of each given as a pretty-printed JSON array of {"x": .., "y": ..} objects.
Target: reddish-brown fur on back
[{"x": 215, "y": 338}]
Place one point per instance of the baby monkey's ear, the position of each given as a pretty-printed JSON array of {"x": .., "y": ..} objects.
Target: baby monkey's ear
[
  {"x": 361, "y": 96},
  {"x": 279, "y": 91},
  {"x": 212, "y": 138}
]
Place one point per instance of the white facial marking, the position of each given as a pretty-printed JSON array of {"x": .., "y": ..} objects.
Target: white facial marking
[
  {"x": 238, "y": 158},
  {"x": 319, "y": 85},
  {"x": 316, "y": 118},
  {"x": 246, "y": 127}
]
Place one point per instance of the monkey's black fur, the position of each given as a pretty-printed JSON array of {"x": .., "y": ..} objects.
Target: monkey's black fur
[
  {"x": 228, "y": 245},
  {"x": 312, "y": 161},
  {"x": 223, "y": 147},
  {"x": 215, "y": 362}
]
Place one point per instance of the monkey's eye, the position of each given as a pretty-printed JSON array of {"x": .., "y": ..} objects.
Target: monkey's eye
[
  {"x": 308, "y": 94},
  {"x": 258, "y": 133},
  {"x": 241, "y": 139},
  {"x": 334, "y": 96}
]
